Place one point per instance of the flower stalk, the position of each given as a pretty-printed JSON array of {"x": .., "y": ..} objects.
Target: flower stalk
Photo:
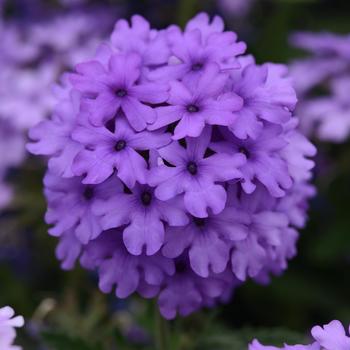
[{"x": 162, "y": 332}]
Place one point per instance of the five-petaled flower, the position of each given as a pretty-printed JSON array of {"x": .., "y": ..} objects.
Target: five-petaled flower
[
  {"x": 199, "y": 104},
  {"x": 118, "y": 87},
  {"x": 195, "y": 175},
  {"x": 106, "y": 150},
  {"x": 142, "y": 215}
]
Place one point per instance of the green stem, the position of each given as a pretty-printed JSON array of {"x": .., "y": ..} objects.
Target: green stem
[{"x": 161, "y": 331}]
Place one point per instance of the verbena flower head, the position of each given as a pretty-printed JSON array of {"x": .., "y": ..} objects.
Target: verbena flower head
[
  {"x": 325, "y": 115},
  {"x": 176, "y": 169},
  {"x": 8, "y": 323},
  {"x": 331, "y": 336}
]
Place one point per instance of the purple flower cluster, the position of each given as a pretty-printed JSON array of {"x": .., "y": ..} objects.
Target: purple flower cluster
[
  {"x": 175, "y": 166},
  {"x": 325, "y": 115},
  {"x": 33, "y": 55},
  {"x": 8, "y": 323},
  {"x": 331, "y": 336}
]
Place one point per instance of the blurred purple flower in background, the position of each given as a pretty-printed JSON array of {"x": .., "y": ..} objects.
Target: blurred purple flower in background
[
  {"x": 34, "y": 52},
  {"x": 331, "y": 336},
  {"x": 236, "y": 8},
  {"x": 322, "y": 81},
  {"x": 8, "y": 323},
  {"x": 12, "y": 151},
  {"x": 176, "y": 169}
]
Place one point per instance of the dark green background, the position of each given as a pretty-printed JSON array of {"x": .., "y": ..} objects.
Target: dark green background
[{"x": 65, "y": 310}]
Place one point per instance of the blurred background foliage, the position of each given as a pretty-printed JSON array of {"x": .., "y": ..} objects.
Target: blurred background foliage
[{"x": 65, "y": 310}]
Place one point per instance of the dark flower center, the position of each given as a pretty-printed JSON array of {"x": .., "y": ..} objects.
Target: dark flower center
[
  {"x": 88, "y": 193},
  {"x": 180, "y": 266},
  {"x": 199, "y": 222},
  {"x": 120, "y": 145},
  {"x": 197, "y": 66},
  {"x": 192, "y": 108},
  {"x": 146, "y": 198},
  {"x": 110, "y": 125},
  {"x": 192, "y": 168},
  {"x": 121, "y": 92},
  {"x": 244, "y": 151}
]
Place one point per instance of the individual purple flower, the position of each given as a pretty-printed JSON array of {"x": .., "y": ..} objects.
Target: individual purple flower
[
  {"x": 199, "y": 104},
  {"x": 266, "y": 229},
  {"x": 331, "y": 336},
  {"x": 129, "y": 273},
  {"x": 70, "y": 205},
  {"x": 195, "y": 175},
  {"x": 8, "y": 323},
  {"x": 207, "y": 26},
  {"x": 113, "y": 88},
  {"x": 176, "y": 169},
  {"x": 106, "y": 150},
  {"x": 264, "y": 163},
  {"x": 209, "y": 240},
  {"x": 53, "y": 137},
  {"x": 186, "y": 292},
  {"x": 267, "y": 96},
  {"x": 144, "y": 216},
  {"x": 199, "y": 46},
  {"x": 138, "y": 37}
]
